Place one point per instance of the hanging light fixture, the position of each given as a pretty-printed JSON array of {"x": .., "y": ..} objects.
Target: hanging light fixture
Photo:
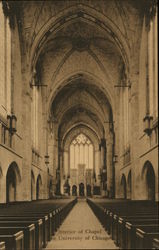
[
  {"x": 148, "y": 124},
  {"x": 12, "y": 122}
]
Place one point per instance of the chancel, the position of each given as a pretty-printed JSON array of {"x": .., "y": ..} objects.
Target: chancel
[{"x": 79, "y": 124}]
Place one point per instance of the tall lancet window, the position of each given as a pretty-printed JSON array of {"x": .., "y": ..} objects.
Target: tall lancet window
[
  {"x": 152, "y": 66},
  {"x": 5, "y": 64},
  {"x": 81, "y": 152}
]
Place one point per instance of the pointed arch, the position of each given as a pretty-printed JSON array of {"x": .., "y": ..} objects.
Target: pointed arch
[
  {"x": 123, "y": 187},
  {"x": 129, "y": 185},
  {"x": 39, "y": 187},
  {"x": 88, "y": 15},
  {"x": 32, "y": 186},
  {"x": 13, "y": 179},
  {"x": 148, "y": 177}
]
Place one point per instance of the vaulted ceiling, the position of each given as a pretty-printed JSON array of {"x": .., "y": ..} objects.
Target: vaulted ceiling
[{"x": 79, "y": 50}]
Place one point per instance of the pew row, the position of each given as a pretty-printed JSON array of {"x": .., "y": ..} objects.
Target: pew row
[
  {"x": 38, "y": 221},
  {"x": 2, "y": 245},
  {"x": 122, "y": 219},
  {"x": 13, "y": 238}
]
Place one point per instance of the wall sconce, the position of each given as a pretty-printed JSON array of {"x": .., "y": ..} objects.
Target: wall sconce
[
  {"x": 148, "y": 124},
  {"x": 12, "y": 122},
  {"x": 115, "y": 158},
  {"x": 46, "y": 159}
]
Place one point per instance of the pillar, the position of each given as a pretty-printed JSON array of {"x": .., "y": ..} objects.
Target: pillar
[
  {"x": 66, "y": 164},
  {"x": 97, "y": 166},
  {"x": 61, "y": 173},
  {"x": 110, "y": 168},
  {"x": 102, "y": 146}
]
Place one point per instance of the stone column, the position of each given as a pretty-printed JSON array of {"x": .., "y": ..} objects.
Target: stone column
[
  {"x": 97, "y": 166},
  {"x": 66, "y": 164},
  {"x": 110, "y": 167},
  {"x": 102, "y": 145},
  {"x": 61, "y": 173},
  {"x": 55, "y": 154}
]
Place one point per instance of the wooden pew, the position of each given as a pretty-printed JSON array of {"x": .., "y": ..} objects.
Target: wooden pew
[
  {"x": 13, "y": 238},
  {"x": 130, "y": 234},
  {"x": 28, "y": 230},
  {"x": 116, "y": 213},
  {"x": 120, "y": 229},
  {"x": 155, "y": 243},
  {"x": 145, "y": 235},
  {"x": 51, "y": 212},
  {"x": 38, "y": 228},
  {"x": 47, "y": 220},
  {"x": 33, "y": 217},
  {"x": 2, "y": 245}
]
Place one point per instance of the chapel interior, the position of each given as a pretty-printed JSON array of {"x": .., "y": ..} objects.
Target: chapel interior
[{"x": 79, "y": 121}]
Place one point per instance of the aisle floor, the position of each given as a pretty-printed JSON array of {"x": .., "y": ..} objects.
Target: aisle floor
[{"x": 81, "y": 230}]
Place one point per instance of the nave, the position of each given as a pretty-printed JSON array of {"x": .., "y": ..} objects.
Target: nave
[
  {"x": 78, "y": 119},
  {"x": 81, "y": 230},
  {"x": 79, "y": 223}
]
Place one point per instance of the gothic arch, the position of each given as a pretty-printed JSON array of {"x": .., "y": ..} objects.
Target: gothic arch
[
  {"x": 148, "y": 178},
  {"x": 78, "y": 76},
  {"x": 13, "y": 179},
  {"x": 33, "y": 188},
  {"x": 39, "y": 187},
  {"x": 72, "y": 14},
  {"x": 123, "y": 187},
  {"x": 76, "y": 131},
  {"x": 129, "y": 185},
  {"x": 84, "y": 125}
]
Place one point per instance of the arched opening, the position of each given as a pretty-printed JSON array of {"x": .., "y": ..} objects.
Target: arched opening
[
  {"x": 12, "y": 180},
  {"x": 123, "y": 187},
  {"x": 89, "y": 190},
  {"x": 81, "y": 189},
  {"x": 39, "y": 187},
  {"x": 81, "y": 152},
  {"x": 74, "y": 190},
  {"x": 129, "y": 188},
  {"x": 32, "y": 186},
  {"x": 149, "y": 176}
]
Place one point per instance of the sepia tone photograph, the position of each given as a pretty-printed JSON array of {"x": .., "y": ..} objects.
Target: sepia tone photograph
[{"x": 79, "y": 125}]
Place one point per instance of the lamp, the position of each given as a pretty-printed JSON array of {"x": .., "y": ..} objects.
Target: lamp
[
  {"x": 148, "y": 124},
  {"x": 12, "y": 121}
]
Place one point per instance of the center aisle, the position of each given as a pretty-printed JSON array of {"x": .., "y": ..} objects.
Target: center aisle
[{"x": 81, "y": 230}]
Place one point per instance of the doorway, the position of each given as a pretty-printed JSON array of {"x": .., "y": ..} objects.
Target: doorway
[
  {"x": 74, "y": 190},
  {"x": 150, "y": 181},
  {"x": 81, "y": 189}
]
